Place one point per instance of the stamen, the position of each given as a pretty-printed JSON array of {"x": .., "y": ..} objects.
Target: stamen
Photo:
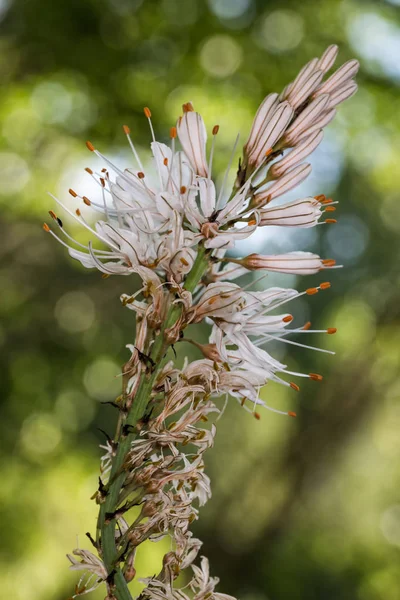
[
  {"x": 329, "y": 262},
  {"x": 294, "y": 386},
  {"x": 46, "y": 228},
  {"x": 306, "y": 326},
  {"x": 257, "y": 416},
  {"x": 183, "y": 189},
  {"x": 330, "y": 209},
  {"x": 127, "y": 132},
  {"x": 320, "y": 198},
  {"x": 325, "y": 285},
  {"x": 312, "y": 291},
  {"x": 165, "y": 162},
  {"x": 86, "y": 200},
  {"x": 292, "y": 414},
  {"x": 330, "y": 221},
  {"x": 73, "y": 194},
  {"x": 173, "y": 133},
  {"x": 147, "y": 112},
  {"x": 315, "y": 377},
  {"x": 140, "y": 175},
  {"x": 214, "y": 132},
  {"x": 90, "y": 146},
  {"x": 288, "y": 319},
  {"x": 88, "y": 170},
  {"x": 331, "y": 330}
]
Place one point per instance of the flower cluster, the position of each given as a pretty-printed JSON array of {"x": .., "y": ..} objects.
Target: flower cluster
[{"x": 174, "y": 234}]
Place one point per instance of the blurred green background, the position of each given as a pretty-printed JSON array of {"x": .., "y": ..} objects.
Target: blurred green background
[{"x": 305, "y": 508}]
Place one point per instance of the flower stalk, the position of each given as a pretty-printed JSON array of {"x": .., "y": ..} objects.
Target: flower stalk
[{"x": 175, "y": 234}]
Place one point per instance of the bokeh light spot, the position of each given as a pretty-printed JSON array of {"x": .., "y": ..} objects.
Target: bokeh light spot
[
  {"x": 14, "y": 173},
  {"x": 221, "y": 56},
  {"x": 52, "y": 102},
  {"x": 40, "y": 435},
  {"x": 74, "y": 409},
  {"x": 75, "y": 312},
  {"x": 281, "y": 31},
  {"x": 100, "y": 379},
  {"x": 390, "y": 524},
  {"x": 229, "y": 9}
]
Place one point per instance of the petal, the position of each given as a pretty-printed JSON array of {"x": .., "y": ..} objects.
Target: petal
[{"x": 193, "y": 136}]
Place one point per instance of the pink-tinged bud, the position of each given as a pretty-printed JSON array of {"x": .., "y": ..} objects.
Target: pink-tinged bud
[
  {"x": 301, "y": 213},
  {"x": 297, "y": 263}
]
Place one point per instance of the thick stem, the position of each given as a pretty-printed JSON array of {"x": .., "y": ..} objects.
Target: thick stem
[{"x": 106, "y": 528}]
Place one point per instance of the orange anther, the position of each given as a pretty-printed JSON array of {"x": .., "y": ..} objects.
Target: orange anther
[
  {"x": 140, "y": 175},
  {"x": 329, "y": 262},
  {"x": 312, "y": 291},
  {"x": 147, "y": 112},
  {"x": 306, "y": 326},
  {"x": 268, "y": 152},
  {"x": 294, "y": 386},
  {"x": 327, "y": 201},
  {"x": 53, "y": 215},
  {"x": 105, "y": 276},
  {"x": 165, "y": 161},
  {"x": 183, "y": 189},
  {"x": 88, "y": 170},
  {"x": 215, "y": 129},
  {"x": 184, "y": 261},
  {"x": 287, "y": 319},
  {"x": 90, "y": 146},
  {"x": 330, "y": 221},
  {"x": 242, "y": 402},
  {"x": 257, "y": 416},
  {"x": 252, "y": 222},
  {"x": 173, "y": 133},
  {"x": 187, "y": 107},
  {"x": 74, "y": 194},
  {"x": 126, "y": 129},
  {"x": 330, "y": 209},
  {"x": 325, "y": 285},
  {"x": 331, "y": 330},
  {"x": 46, "y": 227},
  {"x": 315, "y": 376},
  {"x": 320, "y": 197},
  {"x": 292, "y": 414},
  {"x": 103, "y": 182},
  {"x": 78, "y": 212},
  {"x": 213, "y": 299},
  {"x": 86, "y": 201},
  {"x": 104, "y": 170}
]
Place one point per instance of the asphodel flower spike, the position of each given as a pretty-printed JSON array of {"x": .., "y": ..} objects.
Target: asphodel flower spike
[{"x": 172, "y": 231}]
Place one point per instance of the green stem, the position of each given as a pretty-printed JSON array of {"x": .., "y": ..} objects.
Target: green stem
[{"x": 106, "y": 529}]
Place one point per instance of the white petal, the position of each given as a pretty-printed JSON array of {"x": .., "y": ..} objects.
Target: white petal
[{"x": 193, "y": 136}]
